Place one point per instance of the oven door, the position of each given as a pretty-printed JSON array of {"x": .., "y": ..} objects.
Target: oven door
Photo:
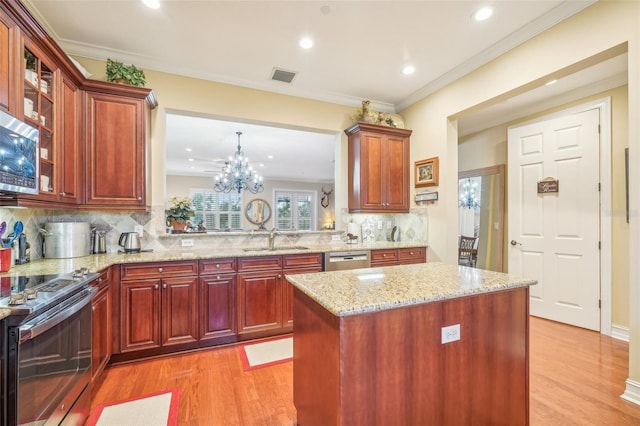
[{"x": 49, "y": 363}]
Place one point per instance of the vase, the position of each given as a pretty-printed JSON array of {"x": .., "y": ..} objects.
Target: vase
[{"x": 177, "y": 226}]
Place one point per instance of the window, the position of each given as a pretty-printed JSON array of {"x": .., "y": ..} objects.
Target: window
[
  {"x": 296, "y": 210},
  {"x": 217, "y": 210}
]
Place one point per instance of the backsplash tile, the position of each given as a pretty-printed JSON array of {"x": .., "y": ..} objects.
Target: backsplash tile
[{"x": 412, "y": 227}]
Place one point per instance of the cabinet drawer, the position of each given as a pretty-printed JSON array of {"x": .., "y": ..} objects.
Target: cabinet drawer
[
  {"x": 383, "y": 256},
  {"x": 103, "y": 280},
  {"x": 307, "y": 260},
  {"x": 158, "y": 269},
  {"x": 217, "y": 266},
  {"x": 412, "y": 255},
  {"x": 259, "y": 263}
]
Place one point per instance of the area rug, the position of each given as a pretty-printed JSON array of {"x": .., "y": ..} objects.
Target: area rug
[
  {"x": 157, "y": 409},
  {"x": 266, "y": 353}
]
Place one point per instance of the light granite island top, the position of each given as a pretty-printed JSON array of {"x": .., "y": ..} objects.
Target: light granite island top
[
  {"x": 423, "y": 344},
  {"x": 367, "y": 290}
]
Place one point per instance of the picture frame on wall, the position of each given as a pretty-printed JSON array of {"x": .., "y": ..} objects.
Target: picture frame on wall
[{"x": 426, "y": 172}]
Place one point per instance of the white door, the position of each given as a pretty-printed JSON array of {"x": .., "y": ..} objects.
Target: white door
[{"x": 554, "y": 237}]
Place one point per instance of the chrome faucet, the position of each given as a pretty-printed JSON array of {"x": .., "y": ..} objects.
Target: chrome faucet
[{"x": 272, "y": 238}]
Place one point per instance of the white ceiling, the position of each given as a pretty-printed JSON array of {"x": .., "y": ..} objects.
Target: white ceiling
[{"x": 360, "y": 49}]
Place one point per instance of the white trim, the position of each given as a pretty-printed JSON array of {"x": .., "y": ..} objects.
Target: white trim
[
  {"x": 620, "y": 332},
  {"x": 604, "y": 106},
  {"x": 632, "y": 392}
]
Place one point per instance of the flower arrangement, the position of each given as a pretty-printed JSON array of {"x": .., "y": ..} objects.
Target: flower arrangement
[{"x": 180, "y": 211}]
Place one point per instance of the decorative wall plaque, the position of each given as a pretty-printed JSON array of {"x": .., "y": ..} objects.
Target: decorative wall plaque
[
  {"x": 426, "y": 196},
  {"x": 548, "y": 185}
]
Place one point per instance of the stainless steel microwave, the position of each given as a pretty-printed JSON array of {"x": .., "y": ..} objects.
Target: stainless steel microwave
[{"x": 19, "y": 156}]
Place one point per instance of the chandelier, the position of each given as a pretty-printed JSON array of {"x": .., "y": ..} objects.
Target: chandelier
[
  {"x": 237, "y": 174},
  {"x": 468, "y": 199}
]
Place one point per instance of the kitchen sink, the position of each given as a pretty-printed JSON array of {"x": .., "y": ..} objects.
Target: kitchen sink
[{"x": 280, "y": 248}]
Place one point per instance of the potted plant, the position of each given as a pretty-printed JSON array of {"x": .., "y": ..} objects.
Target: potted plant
[
  {"x": 120, "y": 73},
  {"x": 179, "y": 212}
]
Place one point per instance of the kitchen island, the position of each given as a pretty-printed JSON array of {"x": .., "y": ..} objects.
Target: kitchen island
[{"x": 424, "y": 344}]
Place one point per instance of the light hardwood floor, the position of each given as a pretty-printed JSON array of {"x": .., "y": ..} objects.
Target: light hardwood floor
[{"x": 576, "y": 378}]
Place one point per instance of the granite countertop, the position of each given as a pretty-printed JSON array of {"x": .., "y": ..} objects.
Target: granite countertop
[
  {"x": 360, "y": 291},
  {"x": 98, "y": 262}
]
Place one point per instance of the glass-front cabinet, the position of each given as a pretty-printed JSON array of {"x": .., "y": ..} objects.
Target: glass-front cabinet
[{"x": 39, "y": 87}]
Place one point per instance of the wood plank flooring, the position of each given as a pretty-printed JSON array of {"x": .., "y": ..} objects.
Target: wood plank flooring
[{"x": 576, "y": 378}]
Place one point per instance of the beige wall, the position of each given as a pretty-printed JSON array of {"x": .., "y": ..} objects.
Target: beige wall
[
  {"x": 597, "y": 33},
  {"x": 489, "y": 148}
]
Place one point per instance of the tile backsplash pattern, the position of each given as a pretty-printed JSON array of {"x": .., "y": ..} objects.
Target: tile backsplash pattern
[{"x": 412, "y": 227}]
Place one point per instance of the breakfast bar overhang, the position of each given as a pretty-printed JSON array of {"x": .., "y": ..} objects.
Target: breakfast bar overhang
[{"x": 424, "y": 344}]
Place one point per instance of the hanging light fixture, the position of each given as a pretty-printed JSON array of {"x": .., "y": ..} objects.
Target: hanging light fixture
[
  {"x": 237, "y": 174},
  {"x": 468, "y": 199}
]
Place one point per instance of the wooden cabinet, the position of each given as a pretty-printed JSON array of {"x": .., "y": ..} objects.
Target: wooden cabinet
[
  {"x": 217, "y": 298},
  {"x": 296, "y": 264},
  {"x": 158, "y": 305},
  {"x": 101, "y": 334},
  {"x": 401, "y": 256},
  {"x": 115, "y": 138},
  {"x": 379, "y": 169},
  {"x": 70, "y": 136},
  {"x": 259, "y": 294},
  {"x": 7, "y": 77},
  {"x": 265, "y": 297}
]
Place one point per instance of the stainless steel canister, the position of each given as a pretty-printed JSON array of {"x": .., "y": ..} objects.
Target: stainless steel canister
[{"x": 66, "y": 239}]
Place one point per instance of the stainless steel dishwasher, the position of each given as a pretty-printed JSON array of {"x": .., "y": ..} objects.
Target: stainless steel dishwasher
[{"x": 342, "y": 260}]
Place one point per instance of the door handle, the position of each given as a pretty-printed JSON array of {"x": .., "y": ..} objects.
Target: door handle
[{"x": 515, "y": 243}]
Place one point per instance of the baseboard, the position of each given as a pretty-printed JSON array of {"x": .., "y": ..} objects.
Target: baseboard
[
  {"x": 632, "y": 392},
  {"x": 620, "y": 332}
]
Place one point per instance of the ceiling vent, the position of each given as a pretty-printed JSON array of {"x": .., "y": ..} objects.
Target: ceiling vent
[{"x": 283, "y": 75}]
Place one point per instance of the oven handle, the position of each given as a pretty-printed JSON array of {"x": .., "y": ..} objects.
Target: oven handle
[{"x": 48, "y": 320}]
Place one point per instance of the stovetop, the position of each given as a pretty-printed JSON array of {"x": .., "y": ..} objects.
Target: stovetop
[{"x": 31, "y": 294}]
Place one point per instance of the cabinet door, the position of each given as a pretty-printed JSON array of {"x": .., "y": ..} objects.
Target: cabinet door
[
  {"x": 396, "y": 168},
  {"x": 115, "y": 163},
  {"x": 411, "y": 255},
  {"x": 70, "y": 136},
  {"x": 217, "y": 306},
  {"x": 179, "y": 310},
  {"x": 372, "y": 172},
  {"x": 259, "y": 301},
  {"x": 140, "y": 314},
  {"x": 287, "y": 293},
  {"x": 101, "y": 336},
  {"x": 6, "y": 50}
]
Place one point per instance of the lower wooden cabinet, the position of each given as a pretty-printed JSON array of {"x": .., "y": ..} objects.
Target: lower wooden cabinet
[
  {"x": 217, "y": 306},
  {"x": 101, "y": 325},
  {"x": 157, "y": 311},
  {"x": 259, "y": 294},
  {"x": 401, "y": 256}
]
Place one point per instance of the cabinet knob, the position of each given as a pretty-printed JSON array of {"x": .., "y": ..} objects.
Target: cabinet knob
[
  {"x": 155, "y": 286},
  {"x": 411, "y": 253},
  {"x": 217, "y": 277},
  {"x": 99, "y": 280},
  {"x": 93, "y": 308},
  {"x": 139, "y": 198},
  {"x": 384, "y": 254},
  {"x": 279, "y": 275},
  {"x": 160, "y": 270},
  {"x": 217, "y": 265},
  {"x": 63, "y": 194},
  {"x": 164, "y": 286}
]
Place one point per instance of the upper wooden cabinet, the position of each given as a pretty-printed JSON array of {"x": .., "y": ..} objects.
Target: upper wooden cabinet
[
  {"x": 115, "y": 139},
  {"x": 6, "y": 53},
  {"x": 378, "y": 169}
]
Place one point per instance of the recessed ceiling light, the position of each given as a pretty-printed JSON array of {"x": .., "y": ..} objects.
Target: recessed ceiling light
[
  {"x": 270, "y": 157},
  {"x": 483, "y": 13},
  {"x": 408, "y": 70},
  {"x": 549, "y": 83},
  {"x": 306, "y": 43},
  {"x": 188, "y": 149},
  {"x": 152, "y": 4},
  {"x": 190, "y": 159}
]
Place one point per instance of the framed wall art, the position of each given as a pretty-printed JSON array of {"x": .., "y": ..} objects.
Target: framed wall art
[{"x": 426, "y": 172}]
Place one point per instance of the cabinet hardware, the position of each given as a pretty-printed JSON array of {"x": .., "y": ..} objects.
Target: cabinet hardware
[
  {"x": 155, "y": 286},
  {"x": 164, "y": 286},
  {"x": 160, "y": 270}
]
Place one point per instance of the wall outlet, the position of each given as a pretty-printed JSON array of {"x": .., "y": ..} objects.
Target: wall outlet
[
  {"x": 186, "y": 242},
  {"x": 139, "y": 229},
  {"x": 450, "y": 333},
  {"x": 379, "y": 224}
]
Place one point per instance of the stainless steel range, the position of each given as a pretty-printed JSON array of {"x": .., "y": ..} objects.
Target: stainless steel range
[{"x": 48, "y": 348}]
